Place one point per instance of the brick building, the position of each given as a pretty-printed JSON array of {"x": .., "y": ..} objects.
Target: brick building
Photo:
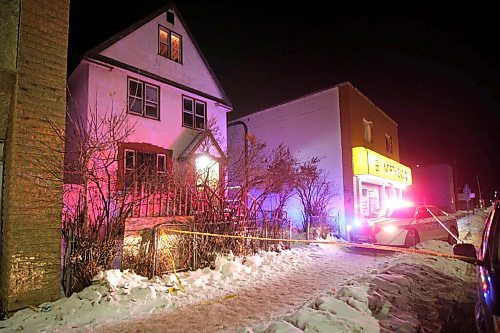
[
  {"x": 356, "y": 141},
  {"x": 32, "y": 97}
]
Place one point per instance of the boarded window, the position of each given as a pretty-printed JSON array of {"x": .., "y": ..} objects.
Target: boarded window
[
  {"x": 368, "y": 127},
  {"x": 388, "y": 143}
]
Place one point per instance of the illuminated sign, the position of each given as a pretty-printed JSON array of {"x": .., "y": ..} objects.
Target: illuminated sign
[{"x": 368, "y": 162}]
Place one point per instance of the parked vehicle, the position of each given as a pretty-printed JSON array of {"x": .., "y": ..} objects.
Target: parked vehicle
[
  {"x": 406, "y": 225},
  {"x": 487, "y": 267}
]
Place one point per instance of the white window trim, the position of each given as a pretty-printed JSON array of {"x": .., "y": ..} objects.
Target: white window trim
[
  {"x": 144, "y": 101},
  {"x": 193, "y": 113}
]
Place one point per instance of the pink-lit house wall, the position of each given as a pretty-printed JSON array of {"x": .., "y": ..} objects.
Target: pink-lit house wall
[
  {"x": 100, "y": 85},
  {"x": 310, "y": 127}
]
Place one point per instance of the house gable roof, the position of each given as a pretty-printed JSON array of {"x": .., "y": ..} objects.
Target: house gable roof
[
  {"x": 96, "y": 55},
  {"x": 196, "y": 143}
]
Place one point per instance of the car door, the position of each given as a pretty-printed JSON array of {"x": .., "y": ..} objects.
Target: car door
[
  {"x": 422, "y": 220},
  {"x": 437, "y": 231},
  {"x": 488, "y": 270}
]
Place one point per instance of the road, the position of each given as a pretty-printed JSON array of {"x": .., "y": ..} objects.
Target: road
[{"x": 435, "y": 303}]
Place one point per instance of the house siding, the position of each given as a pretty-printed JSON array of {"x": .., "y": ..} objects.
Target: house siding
[
  {"x": 107, "y": 91},
  {"x": 140, "y": 49},
  {"x": 30, "y": 268}
]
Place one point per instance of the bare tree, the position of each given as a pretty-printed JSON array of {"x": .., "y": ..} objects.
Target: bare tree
[
  {"x": 95, "y": 205},
  {"x": 315, "y": 191}
]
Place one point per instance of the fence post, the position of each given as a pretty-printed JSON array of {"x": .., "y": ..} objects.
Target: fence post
[
  {"x": 68, "y": 264},
  {"x": 195, "y": 246},
  {"x": 154, "y": 241},
  {"x": 308, "y": 226}
]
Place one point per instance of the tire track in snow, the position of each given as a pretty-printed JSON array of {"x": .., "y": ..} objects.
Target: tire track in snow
[{"x": 327, "y": 270}]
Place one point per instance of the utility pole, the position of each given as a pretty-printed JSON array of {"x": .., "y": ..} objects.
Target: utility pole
[{"x": 479, "y": 190}]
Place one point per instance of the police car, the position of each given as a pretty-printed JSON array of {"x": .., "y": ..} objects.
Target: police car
[{"x": 405, "y": 225}]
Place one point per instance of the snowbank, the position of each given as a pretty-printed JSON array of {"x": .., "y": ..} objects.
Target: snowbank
[{"x": 406, "y": 293}]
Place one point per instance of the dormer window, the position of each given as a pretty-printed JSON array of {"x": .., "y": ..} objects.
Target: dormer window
[{"x": 169, "y": 44}]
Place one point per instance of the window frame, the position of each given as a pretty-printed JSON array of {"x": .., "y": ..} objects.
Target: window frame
[
  {"x": 368, "y": 135},
  {"x": 193, "y": 113},
  {"x": 388, "y": 143},
  {"x": 168, "y": 44},
  {"x": 158, "y": 171},
  {"x": 134, "y": 170},
  {"x": 144, "y": 102}
]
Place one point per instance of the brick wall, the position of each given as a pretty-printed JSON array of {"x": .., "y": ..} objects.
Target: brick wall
[{"x": 30, "y": 258}]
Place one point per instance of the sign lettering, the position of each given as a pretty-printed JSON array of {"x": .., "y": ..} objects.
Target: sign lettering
[{"x": 366, "y": 161}]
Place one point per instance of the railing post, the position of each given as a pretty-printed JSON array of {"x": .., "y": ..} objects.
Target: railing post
[
  {"x": 195, "y": 246},
  {"x": 68, "y": 264},
  {"x": 154, "y": 239}
]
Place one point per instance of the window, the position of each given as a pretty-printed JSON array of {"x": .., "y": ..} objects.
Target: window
[
  {"x": 143, "y": 99},
  {"x": 368, "y": 125},
  {"x": 169, "y": 44},
  {"x": 388, "y": 143},
  {"x": 170, "y": 17},
  {"x": 403, "y": 213},
  {"x": 141, "y": 167},
  {"x": 423, "y": 213},
  {"x": 193, "y": 113}
]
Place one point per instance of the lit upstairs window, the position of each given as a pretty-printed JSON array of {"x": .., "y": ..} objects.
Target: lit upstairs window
[
  {"x": 169, "y": 44},
  {"x": 368, "y": 125},
  {"x": 388, "y": 143}
]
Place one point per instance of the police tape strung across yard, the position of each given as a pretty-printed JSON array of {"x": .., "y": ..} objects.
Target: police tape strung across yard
[{"x": 341, "y": 243}]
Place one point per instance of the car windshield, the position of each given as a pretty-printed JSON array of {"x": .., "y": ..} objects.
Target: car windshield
[{"x": 402, "y": 213}]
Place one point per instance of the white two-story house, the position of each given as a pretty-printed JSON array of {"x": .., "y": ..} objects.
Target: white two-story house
[{"x": 155, "y": 73}]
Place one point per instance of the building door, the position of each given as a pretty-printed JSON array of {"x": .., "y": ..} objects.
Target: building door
[{"x": 370, "y": 200}]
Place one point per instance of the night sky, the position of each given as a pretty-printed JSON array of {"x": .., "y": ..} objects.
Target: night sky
[{"x": 434, "y": 70}]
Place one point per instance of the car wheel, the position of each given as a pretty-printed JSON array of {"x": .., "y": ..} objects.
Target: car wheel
[
  {"x": 480, "y": 323},
  {"x": 412, "y": 238},
  {"x": 451, "y": 239}
]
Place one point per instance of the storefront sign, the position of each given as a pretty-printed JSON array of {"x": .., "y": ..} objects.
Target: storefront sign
[{"x": 368, "y": 162}]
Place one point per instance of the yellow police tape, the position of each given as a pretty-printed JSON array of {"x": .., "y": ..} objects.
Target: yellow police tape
[
  {"x": 172, "y": 290},
  {"x": 340, "y": 243}
]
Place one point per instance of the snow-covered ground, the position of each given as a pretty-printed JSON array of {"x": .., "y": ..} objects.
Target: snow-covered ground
[{"x": 314, "y": 288}]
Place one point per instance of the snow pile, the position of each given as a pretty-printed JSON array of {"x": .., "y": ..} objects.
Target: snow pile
[
  {"x": 470, "y": 228},
  {"x": 413, "y": 293},
  {"x": 401, "y": 292},
  {"x": 117, "y": 295}
]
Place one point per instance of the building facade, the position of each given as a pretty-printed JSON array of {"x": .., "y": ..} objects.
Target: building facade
[
  {"x": 355, "y": 140},
  {"x": 155, "y": 74},
  {"x": 434, "y": 185},
  {"x": 33, "y": 55}
]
